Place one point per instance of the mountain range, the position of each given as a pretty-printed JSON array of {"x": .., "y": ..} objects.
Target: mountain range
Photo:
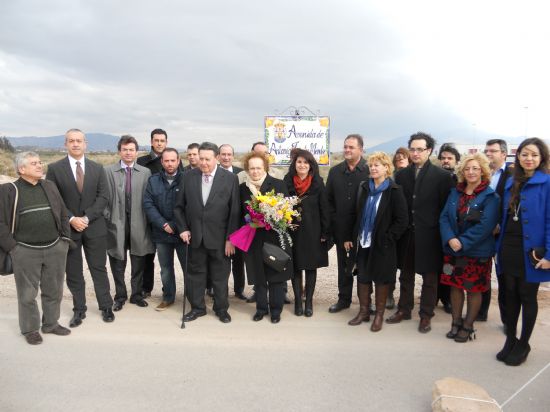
[{"x": 97, "y": 142}]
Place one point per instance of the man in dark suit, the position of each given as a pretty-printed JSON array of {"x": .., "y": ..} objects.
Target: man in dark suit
[
  {"x": 496, "y": 151},
  {"x": 226, "y": 157},
  {"x": 83, "y": 187},
  {"x": 426, "y": 188},
  {"x": 342, "y": 186},
  {"x": 152, "y": 161},
  {"x": 207, "y": 212}
]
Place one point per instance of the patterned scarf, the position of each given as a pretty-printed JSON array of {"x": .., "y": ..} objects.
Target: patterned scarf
[{"x": 369, "y": 210}]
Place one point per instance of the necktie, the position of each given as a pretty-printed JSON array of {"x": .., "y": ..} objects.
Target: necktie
[
  {"x": 128, "y": 186},
  {"x": 79, "y": 177},
  {"x": 206, "y": 178}
]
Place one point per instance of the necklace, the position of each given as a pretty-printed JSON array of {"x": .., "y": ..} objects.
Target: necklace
[{"x": 515, "y": 218}]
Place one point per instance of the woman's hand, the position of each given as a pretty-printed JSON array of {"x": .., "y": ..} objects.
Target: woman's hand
[
  {"x": 455, "y": 244},
  {"x": 543, "y": 264}
]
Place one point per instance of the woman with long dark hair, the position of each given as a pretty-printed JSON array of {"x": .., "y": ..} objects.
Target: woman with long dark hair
[
  {"x": 310, "y": 238},
  {"x": 523, "y": 248},
  {"x": 466, "y": 224}
]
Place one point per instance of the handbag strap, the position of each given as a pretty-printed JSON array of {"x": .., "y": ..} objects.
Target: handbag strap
[{"x": 14, "y": 208}]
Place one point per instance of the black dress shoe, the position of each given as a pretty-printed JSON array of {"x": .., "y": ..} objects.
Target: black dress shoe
[
  {"x": 193, "y": 314},
  {"x": 251, "y": 299},
  {"x": 239, "y": 295},
  {"x": 142, "y": 303},
  {"x": 338, "y": 306},
  {"x": 275, "y": 319},
  {"x": 107, "y": 315},
  {"x": 117, "y": 305},
  {"x": 77, "y": 319},
  {"x": 258, "y": 316},
  {"x": 224, "y": 317}
]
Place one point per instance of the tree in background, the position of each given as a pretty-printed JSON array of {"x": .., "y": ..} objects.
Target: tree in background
[{"x": 5, "y": 145}]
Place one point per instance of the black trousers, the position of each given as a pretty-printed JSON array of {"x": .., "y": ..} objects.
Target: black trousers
[
  {"x": 95, "y": 250},
  {"x": 276, "y": 298},
  {"x": 428, "y": 295},
  {"x": 345, "y": 277},
  {"x": 237, "y": 268},
  {"x": 203, "y": 261},
  {"x": 149, "y": 273},
  {"x": 118, "y": 267}
]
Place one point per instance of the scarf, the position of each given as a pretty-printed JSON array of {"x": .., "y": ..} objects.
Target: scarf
[
  {"x": 254, "y": 185},
  {"x": 369, "y": 210},
  {"x": 300, "y": 185}
]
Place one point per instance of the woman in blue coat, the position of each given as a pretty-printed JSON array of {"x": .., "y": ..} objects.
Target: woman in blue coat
[
  {"x": 525, "y": 226},
  {"x": 467, "y": 223}
]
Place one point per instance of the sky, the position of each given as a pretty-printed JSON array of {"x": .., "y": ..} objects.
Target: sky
[{"x": 212, "y": 70}]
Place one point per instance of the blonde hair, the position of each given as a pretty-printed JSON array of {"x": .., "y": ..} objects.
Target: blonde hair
[
  {"x": 483, "y": 163},
  {"x": 383, "y": 158}
]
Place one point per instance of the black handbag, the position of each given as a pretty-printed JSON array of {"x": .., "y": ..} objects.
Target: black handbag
[
  {"x": 275, "y": 257},
  {"x": 536, "y": 254},
  {"x": 7, "y": 265}
]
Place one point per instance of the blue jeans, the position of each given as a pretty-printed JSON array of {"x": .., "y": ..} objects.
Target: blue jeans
[{"x": 165, "y": 253}]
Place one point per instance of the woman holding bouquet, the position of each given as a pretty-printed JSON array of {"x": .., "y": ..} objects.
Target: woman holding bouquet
[
  {"x": 382, "y": 217},
  {"x": 310, "y": 238},
  {"x": 263, "y": 277},
  {"x": 525, "y": 228}
]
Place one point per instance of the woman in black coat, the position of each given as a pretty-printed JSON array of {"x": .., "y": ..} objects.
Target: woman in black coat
[
  {"x": 310, "y": 238},
  {"x": 260, "y": 275},
  {"x": 382, "y": 218}
]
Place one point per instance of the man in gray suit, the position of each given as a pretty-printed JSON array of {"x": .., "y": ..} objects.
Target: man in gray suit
[
  {"x": 83, "y": 187},
  {"x": 127, "y": 228},
  {"x": 207, "y": 212}
]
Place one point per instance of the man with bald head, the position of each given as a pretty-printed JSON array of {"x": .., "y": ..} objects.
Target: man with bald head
[{"x": 83, "y": 187}]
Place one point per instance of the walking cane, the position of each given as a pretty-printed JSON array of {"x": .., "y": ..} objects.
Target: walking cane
[{"x": 184, "y": 284}]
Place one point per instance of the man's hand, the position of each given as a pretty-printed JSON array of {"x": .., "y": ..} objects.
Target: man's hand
[
  {"x": 168, "y": 229},
  {"x": 78, "y": 223},
  {"x": 229, "y": 248},
  {"x": 543, "y": 264},
  {"x": 348, "y": 245},
  {"x": 455, "y": 244},
  {"x": 186, "y": 236}
]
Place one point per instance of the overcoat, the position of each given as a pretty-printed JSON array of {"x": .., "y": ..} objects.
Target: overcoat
[
  {"x": 257, "y": 272},
  {"x": 426, "y": 196},
  {"x": 390, "y": 223},
  {"x": 308, "y": 250},
  {"x": 115, "y": 212},
  {"x": 535, "y": 222}
]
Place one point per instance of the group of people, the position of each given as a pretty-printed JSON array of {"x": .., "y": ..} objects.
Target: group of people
[{"x": 381, "y": 214}]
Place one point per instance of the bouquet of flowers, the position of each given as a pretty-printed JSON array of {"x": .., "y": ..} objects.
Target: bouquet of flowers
[{"x": 269, "y": 211}]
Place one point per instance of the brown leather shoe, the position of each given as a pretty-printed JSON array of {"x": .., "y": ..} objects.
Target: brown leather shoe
[
  {"x": 380, "y": 296},
  {"x": 58, "y": 330},
  {"x": 425, "y": 325},
  {"x": 163, "y": 306},
  {"x": 33, "y": 338},
  {"x": 398, "y": 317}
]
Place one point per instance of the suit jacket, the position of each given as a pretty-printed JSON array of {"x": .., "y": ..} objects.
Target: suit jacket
[
  {"x": 210, "y": 224},
  {"x": 91, "y": 202},
  {"x": 115, "y": 212},
  {"x": 426, "y": 196}
]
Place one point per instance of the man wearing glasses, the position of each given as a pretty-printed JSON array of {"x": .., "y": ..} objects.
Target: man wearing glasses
[
  {"x": 496, "y": 151},
  {"x": 426, "y": 188}
]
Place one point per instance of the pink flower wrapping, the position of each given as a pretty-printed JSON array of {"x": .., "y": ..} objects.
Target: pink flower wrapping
[{"x": 242, "y": 238}]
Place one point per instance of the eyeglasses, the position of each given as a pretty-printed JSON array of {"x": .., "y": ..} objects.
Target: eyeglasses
[{"x": 417, "y": 149}]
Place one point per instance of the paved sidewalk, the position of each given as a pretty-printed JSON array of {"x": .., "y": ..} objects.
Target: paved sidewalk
[{"x": 144, "y": 361}]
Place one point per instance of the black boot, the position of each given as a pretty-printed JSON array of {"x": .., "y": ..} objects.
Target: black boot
[
  {"x": 508, "y": 346},
  {"x": 311, "y": 279},
  {"x": 518, "y": 355},
  {"x": 297, "y": 289}
]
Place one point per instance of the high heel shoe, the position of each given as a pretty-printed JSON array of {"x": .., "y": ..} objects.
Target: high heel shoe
[
  {"x": 471, "y": 334},
  {"x": 455, "y": 328}
]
